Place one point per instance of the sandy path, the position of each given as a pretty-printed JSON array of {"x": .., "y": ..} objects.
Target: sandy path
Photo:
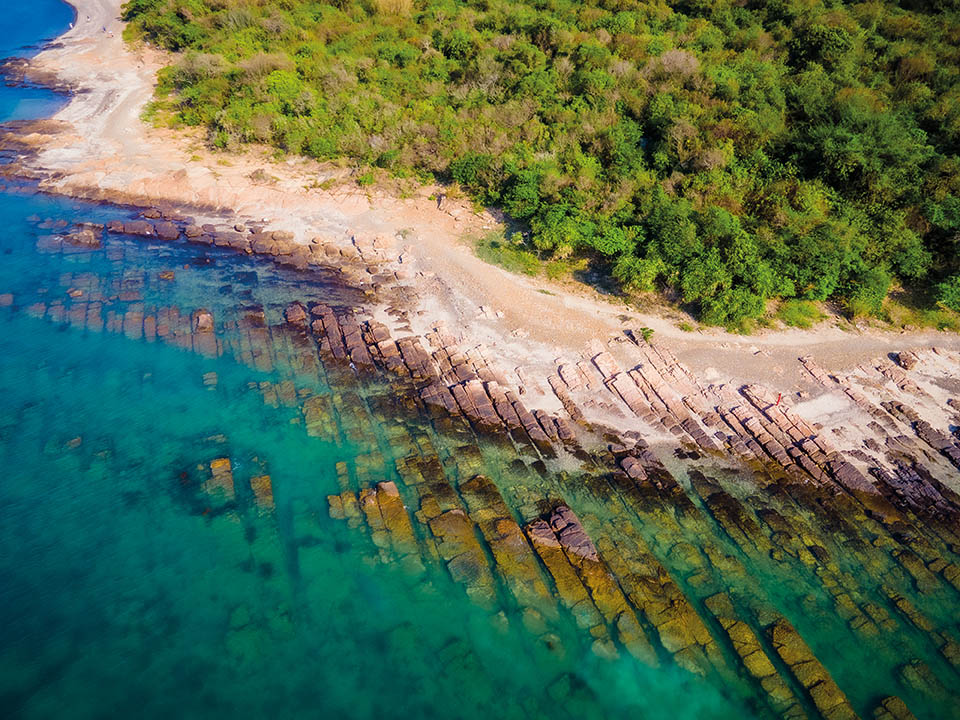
[{"x": 109, "y": 153}]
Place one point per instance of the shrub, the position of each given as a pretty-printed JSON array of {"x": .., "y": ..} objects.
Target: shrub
[
  {"x": 948, "y": 292},
  {"x": 866, "y": 295},
  {"x": 799, "y": 313}
]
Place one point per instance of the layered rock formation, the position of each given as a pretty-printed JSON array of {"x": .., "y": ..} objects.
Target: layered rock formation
[{"x": 730, "y": 531}]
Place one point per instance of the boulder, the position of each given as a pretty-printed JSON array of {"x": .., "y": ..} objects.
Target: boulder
[
  {"x": 540, "y": 533},
  {"x": 263, "y": 244},
  {"x": 907, "y": 360},
  {"x": 83, "y": 238},
  {"x": 573, "y": 537},
  {"x": 230, "y": 239},
  {"x": 141, "y": 228},
  {"x": 166, "y": 230}
]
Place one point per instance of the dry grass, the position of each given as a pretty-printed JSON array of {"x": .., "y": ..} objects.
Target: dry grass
[{"x": 393, "y": 7}]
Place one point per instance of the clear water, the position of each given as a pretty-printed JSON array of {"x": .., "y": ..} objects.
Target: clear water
[
  {"x": 24, "y": 27},
  {"x": 28, "y": 103},
  {"x": 130, "y": 588},
  {"x": 122, "y": 592}
]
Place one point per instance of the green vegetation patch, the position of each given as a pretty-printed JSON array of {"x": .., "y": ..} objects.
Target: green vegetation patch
[
  {"x": 497, "y": 250},
  {"x": 799, "y": 313},
  {"x": 731, "y": 152}
]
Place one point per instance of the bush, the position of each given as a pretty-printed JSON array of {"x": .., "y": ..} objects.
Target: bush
[
  {"x": 948, "y": 292},
  {"x": 799, "y": 313},
  {"x": 866, "y": 295},
  {"x": 511, "y": 256}
]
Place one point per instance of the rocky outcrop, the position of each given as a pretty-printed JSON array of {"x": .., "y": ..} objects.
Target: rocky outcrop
[
  {"x": 220, "y": 483},
  {"x": 810, "y": 673},
  {"x": 755, "y": 660},
  {"x": 892, "y": 708},
  {"x": 674, "y": 543}
]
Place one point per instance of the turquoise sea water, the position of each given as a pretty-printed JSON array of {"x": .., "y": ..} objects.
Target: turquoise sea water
[
  {"x": 123, "y": 592},
  {"x": 126, "y": 591},
  {"x": 136, "y": 582}
]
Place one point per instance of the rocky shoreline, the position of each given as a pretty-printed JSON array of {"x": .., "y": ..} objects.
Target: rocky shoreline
[
  {"x": 21, "y": 72},
  {"x": 844, "y": 485},
  {"x": 748, "y": 424},
  {"x": 880, "y": 492}
]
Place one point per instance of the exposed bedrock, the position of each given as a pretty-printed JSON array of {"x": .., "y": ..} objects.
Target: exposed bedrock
[{"x": 617, "y": 495}]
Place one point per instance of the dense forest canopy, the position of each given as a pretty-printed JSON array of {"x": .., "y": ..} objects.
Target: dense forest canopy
[{"x": 731, "y": 151}]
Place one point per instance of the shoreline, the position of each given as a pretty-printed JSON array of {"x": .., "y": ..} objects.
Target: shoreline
[
  {"x": 195, "y": 179},
  {"x": 96, "y": 148}
]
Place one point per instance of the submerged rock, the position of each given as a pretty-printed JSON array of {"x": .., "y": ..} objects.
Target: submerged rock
[
  {"x": 220, "y": 482},
  {"x": 262, "y": 491},
  {"x": 892, "y": 708},
  {"x": 810, "y": 672},
  {"x": 296, "y": 315},
  {"x": 202, "y": 321},
  {"x": 83, "y": 238}
]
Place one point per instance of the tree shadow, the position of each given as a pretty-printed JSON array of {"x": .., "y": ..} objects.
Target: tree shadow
[{"x": 598, "y": 276}]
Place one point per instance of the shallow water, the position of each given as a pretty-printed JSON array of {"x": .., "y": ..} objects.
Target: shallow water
[
  {"x": 136, "y": 580},
  {"x": 124, "y": 592},
  {"x": 28, "y": 103},
  {"x": 24, "y": 27}
]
